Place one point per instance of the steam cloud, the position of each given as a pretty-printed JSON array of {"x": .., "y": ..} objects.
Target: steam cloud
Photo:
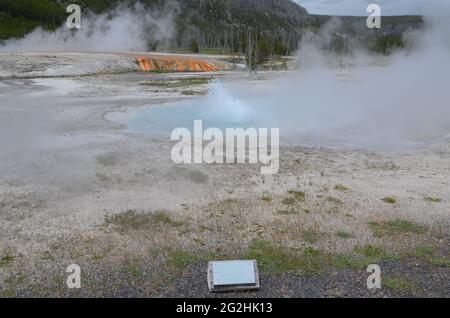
[
  {"x": 358, "y": 100},
  {"x": 123, "y": 29},
  {"x": 365, "y": 100}
]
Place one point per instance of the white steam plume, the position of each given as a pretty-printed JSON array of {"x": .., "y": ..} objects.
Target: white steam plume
[
  {"x": 123, "y": 29},
  {"x": 373, "y": 101}
]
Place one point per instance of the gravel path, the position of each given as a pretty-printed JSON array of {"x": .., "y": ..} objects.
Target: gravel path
[{"x": 430, "y": 281}]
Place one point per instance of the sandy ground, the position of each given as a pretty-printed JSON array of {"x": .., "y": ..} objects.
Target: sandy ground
[
  {"x": 76, "y": 187},
  {"x": 32, "y": 65}
]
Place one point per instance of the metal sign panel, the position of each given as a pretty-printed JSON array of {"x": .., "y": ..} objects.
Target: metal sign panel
[{"x": 233, "y": 275}]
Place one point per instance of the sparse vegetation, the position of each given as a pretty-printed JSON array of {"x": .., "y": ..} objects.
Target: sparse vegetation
[
  {"x": 47, "y": 256},
  {"x": 179, "y": 259},
  {"x": 132, "y": 268},
  {"x": 371, "y": 251},
  {"x": 288, "y": 201},
  {"x": 433, "y": 200},
  {"x": 428, "y": 254},
  {"x": 390, "y": 200},
  {"x": 344, "y": 235},
  {"x": 394, "y": 227},
  {"x": 297, "y": 195},
  {"x": 162, "y": 217},
  {"x": 400, "y": 285},
  {"x": 7, "y": 293},
  {"x": 439, "y": 261},
  {"x": 306, "y": 210},
  {"x": 310, "y": 236},
  {"x": 6, "y": 260},
  {"x": 287, "y": 212},
  {"x": 367, "y": 254},
  {"x": 422, "y": 252},
  {"x": 344, "y": 261},
  {"x": 131, "y": 219},
  {"x": 334, "y": 200},
  {"x": 266, "y": 198},
  {"x": 275, "y": 259},
  {"x": 382, "y": 166},
  {"x": 340, "y": 187}
]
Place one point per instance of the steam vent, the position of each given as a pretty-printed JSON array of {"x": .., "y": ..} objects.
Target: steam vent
[{"x": 173, "y": 63}]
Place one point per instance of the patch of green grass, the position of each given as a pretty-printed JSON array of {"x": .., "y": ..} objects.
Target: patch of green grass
[
  {"x": 131, "y": 219},
  {"x": 394, "y": 227},
  {"x": 438, "y": 261},
  {"x": 390, "y": 200},
  {"x": 334, "y": 200},
  {"x": 277, "y": 259},
  {"x": 47, "y": 256},
  {"x": 404, "y": 226},
  {"x": 298, "y": 195},
  {"x": 6, "y": 260},
  {"x": 345, "y": 261},
  {"x": 310, "y": 236},
  {"x": 162, "y": 217},
  {"x": 98, "y": 257},
  {"x": 180, "y": 260},
  {"x": 370, "y": 251},
  {"x": 422, "y": 251},
  {"x": 377, "y": 228},
  {"x": 288, "y": 201},
  {"x": 340, "y": 187},
  {"x": 428, "y": 254},
  {"x": 344, "y": 235},
  {"x": 7, "y": 293},
  {"x": 365, "y": 255},
  {"x": 133, "y": 269},
  {"x": 287, "y": 212},
  {"x": 400, "y": 285},
  {"x": 432, "y": 200},
  {"x": 266, "y": 198}
]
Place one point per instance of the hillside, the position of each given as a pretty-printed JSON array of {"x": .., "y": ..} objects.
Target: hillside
[
  {"x": 268, "y": 26},
  {"x": 18, "y": 17}
]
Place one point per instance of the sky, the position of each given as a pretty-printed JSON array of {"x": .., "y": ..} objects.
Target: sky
[{"x": 358, "y": 7}]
